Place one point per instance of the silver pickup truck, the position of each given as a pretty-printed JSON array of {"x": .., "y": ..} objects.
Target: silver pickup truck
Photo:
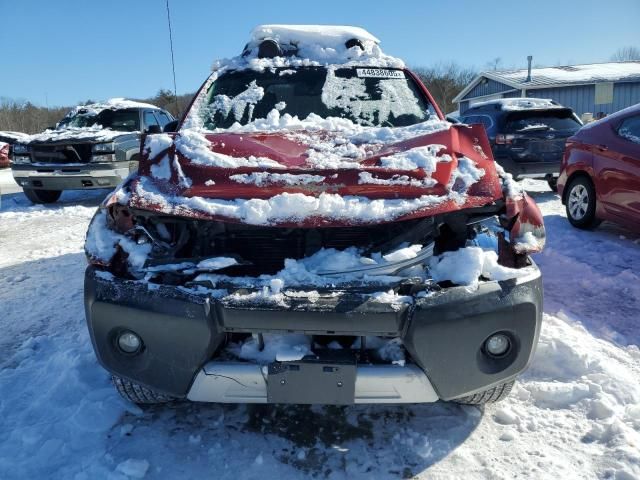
[{"x": 93, "y": 146}]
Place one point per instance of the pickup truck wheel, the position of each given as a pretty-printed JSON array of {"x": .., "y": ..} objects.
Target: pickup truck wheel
[
  {"x": 581, "y": 203},
  {"x": 42, "y": 196},
  {"x": 137, "y": 393},
  {"x": 492, "y": 395},
  {"x": 553, "y": 184}
]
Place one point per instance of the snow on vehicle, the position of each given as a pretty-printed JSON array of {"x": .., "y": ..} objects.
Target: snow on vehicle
[
  {"x": 315, "y": 232},
  {"x": 7, "y": 139},
  {"x": 93, "y": 146}
]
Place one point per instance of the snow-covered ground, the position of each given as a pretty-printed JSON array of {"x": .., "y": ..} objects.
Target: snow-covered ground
[{"x": 574, "y": 414}]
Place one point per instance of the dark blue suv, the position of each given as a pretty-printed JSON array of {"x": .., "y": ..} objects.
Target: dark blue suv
[{"x": 527, "y": 135}]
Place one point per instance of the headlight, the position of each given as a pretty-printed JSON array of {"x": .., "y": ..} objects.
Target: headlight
[
  {"x": 103, "y": 147},
  {"x": 20, "y": 148},
  {"x": 21, "y": 159}
]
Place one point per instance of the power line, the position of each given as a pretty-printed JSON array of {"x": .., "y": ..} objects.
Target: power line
[{"x": 173, "y": 65}]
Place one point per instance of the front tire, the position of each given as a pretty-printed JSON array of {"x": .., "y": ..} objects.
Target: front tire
[
  {"x": 42, "y": 196},
  {"x": 553, "y": 184},
  {"x": 135, "y": 393},
  {"x": 495, "y": 394},
  {"x": 581, "y": 203}
]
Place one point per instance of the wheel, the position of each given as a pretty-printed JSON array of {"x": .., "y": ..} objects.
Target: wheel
[
  {"x": 553, "y": 184},
  {"x": 137, "y": 393},
  {"x": 581, "y": 203},
  {"x": 491, "y": 395},
  {"x": 42, "y": 196}
]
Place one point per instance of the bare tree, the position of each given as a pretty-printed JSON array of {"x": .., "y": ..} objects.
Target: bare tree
[
  {"x": 494, "y": 63},
  {"x": 625, "y": 54},
  {"x": 444, "y": 81}
]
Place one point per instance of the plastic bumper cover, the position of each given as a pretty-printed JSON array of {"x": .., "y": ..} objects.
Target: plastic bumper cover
[{"x": 444, "y": 333}]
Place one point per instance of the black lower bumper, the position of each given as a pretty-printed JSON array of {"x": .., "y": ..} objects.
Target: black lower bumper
[
  {"x": 522, "y": 167},
  {"x": 444, "y": 332}
]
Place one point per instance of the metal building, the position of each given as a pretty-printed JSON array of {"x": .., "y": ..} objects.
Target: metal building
[{"x": 590, "y": 88}]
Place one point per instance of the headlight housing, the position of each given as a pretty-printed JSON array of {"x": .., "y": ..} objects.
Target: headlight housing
[
  {"x": 20, "y": 148},
  {"x": 103, "y": 147},
  {"x": 21, "y": 159}
]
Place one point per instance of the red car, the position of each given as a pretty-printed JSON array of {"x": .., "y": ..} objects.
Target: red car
[
  {"x": 313, "y": 231},
  {"x": 600, "y": 173}
]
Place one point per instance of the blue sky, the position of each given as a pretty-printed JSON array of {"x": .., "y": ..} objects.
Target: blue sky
[{"x": 60, "y": 52}]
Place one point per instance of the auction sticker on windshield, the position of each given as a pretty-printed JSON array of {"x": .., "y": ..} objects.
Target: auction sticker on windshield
[{"x": 379, "y": 73}]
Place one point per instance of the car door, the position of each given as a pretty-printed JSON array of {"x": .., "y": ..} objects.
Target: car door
[{"x": 617, "y": 159}]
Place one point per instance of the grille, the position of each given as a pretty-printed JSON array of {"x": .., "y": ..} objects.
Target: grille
[
  {"x": 61, "y": 154},
  {"x": 266, "y": 248}
]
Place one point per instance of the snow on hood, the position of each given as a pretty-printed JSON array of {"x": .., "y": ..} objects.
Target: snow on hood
[
  {"x": 77, "y": 133},
  {"x": 14, "y": 136}
]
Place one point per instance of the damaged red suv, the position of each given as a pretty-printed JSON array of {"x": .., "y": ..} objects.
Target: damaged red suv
[{"x": 315, "y": 232}]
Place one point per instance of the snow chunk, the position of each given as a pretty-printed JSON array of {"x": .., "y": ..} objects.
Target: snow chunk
[
  {"x": 216, "y": 263},
  {"x": 425, "y": 157},
  {"x": 156, "y": 144},
  {"x": 133, "y": 468},
  {"x": 466, "y": 265},
  {"x": 283, "y": 348}
]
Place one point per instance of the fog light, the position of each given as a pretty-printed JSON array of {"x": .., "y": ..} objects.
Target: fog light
[
  {"x": 497, "y": 345},
  {"x": 129, "y": 342}
]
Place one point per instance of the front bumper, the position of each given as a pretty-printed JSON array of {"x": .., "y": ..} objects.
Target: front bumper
[
  {"x": 71, "y": 177},
  {"x": 443, "y": 333}
]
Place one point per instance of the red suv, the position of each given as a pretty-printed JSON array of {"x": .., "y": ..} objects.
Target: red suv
[
  {"x": 315, "y": 232},
  {"x": 600, "y": 173}
]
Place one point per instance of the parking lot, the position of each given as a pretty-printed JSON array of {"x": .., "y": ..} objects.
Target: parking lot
[{"x": 577, "y": 408}]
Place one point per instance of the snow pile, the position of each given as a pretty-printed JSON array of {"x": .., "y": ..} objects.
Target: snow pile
[
  {"x": 96, "y": 133},
  {"x": 14, "y": 136},
  {"x": 289, "y": 207},
  {"x": 467, "y": 265},
  {"x": 315, "y": 45}
]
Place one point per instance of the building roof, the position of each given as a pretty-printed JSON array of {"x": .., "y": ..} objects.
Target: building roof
[{"x": 561, "y": 76}]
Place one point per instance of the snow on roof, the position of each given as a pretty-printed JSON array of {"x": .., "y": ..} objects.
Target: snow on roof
[
  {"x": 327, "y": 36},
  {"x": 520, "y": 103},
  {"x": 570, "y": 74},
  {"x": 560, "y": 76},
  {"x": 112, "y": 103},
  {"x": 311, "y": 45}
]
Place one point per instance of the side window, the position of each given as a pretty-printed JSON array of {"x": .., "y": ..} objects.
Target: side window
[
  {"x": 630, "y": 129},
  {"x": 149, "y": 119},
  {"x": 163, "y": 117}
]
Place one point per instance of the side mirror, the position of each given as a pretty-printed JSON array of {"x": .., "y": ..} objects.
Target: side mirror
[
  {"x": 152, "y": 129},
  {"x": 171, "y": 126}
]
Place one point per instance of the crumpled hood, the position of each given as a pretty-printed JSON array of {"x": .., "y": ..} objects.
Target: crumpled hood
[{"x": 301, "y": 178}]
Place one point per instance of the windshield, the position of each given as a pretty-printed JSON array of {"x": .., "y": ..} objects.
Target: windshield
[
  {"x": 121, "y": 120},
  {"x": 548, "y": 120},
  {"x": 366, "y": 96}
]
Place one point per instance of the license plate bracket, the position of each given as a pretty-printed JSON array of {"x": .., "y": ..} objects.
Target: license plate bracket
[{"x": 311, "y": 382}]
